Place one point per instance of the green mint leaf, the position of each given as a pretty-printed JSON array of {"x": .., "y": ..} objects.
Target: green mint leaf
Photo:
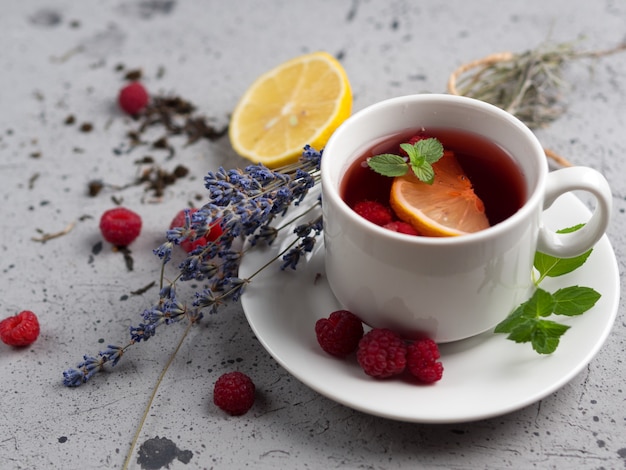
[
  {"x": 509, "y": 323},
  {"x": 421, "y": 155},
  {"x": 541, "y": 304},
  {"x": 523, "y": 331},
  {"x": 415, "y": 158},
  {"x": 527, "y": 322},
  {"x": 431, "y": 149},
  {"x": 424, "y": 172},
  {"x": 571, "y": 229},
  {"x": 574, "y": 300},
  {"x": 410, "y": 150},
  {"x": 546, "y": 336},
  {"x": 550, "y": 266},
  {"x": 388, "y": 164}
]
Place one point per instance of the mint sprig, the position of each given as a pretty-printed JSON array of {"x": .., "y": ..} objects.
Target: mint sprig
[
  {"x": 550, "y": 266},
  {"x": 529, "y": 322},
  {"x": 421, "y": 156}
]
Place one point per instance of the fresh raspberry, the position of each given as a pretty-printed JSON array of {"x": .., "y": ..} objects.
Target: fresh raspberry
[
  {"x": 401, "y": 227},
  {"x": 382, "y": 353},
  {"x": 422, "y": 361},
  {"x": 413, "y": 140},
  {"x": 340, "y": 333},
  {"x": 120, "y": 226},
  {"x": 417, "y": 137},
  {"x": 133, "y": 98},
  {"x": 20, "y": 330},
  {"x": 215, "y": 231},
  {"x": 374, "y": 211},
  {"x": 190, "y": 245},
  {"x": 234, "y": 393}
]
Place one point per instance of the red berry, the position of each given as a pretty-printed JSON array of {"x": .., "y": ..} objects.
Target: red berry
[
  {"x": 189, "y": 244},
  {"x": 20, "y": 330},
  {"x": 417, "y": 137},
  {"x": 340, "y": 333},
  {"x": 120, "y": 226},
  {"x": 133, "y": 98},
  {"x": 413, "y": 140},
  {"x": 401, "y": 227},
  {"x": 234, "y": 393},
  {"x": 382, "y": 353},
  {"x": 374, "y": 211},
  {"x": 215, "y": 231},
  {"x": 422, "y": 361}
]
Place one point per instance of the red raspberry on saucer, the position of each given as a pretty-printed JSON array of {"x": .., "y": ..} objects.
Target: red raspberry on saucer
[
  {"x": 340, "y": 333},
  {"x": 20, "y": 330},
  {"x": 422, "y": 361},
  {"x": 234, "y": 393},
  {"x": 133, "y": 98},
  {"x": 374, "y": 211},
  {"x": 401, "y": 227},
  {"x": 382, "y": 353},
  {"x": 120, "y": 226},
  {"x": 190, "y": 245}
]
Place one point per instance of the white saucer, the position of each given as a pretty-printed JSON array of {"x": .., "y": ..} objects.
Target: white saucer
[{"x": 484, "y": 376}]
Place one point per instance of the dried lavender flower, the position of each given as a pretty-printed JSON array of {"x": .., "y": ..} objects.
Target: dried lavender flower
[{"x": 246, "y": 203}]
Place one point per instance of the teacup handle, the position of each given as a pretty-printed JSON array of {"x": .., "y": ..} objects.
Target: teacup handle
[{"x": 568, "y": 245}]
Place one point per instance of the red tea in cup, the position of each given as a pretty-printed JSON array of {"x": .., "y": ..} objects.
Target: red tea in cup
[{"x": 495, "y": 176}]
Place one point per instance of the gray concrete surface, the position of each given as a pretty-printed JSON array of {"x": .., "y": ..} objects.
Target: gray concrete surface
[{"x": 59, "y": 59}]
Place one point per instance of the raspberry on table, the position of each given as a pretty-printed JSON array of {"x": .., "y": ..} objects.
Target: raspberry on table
[
  {"x": 382, "y": 353},
  {"x": 234, "y": 393},
  {"x": 340, "y": 333},
  {"x": 120, "y": 226},
  {"x": 191, "y": 244},
  {"x": 374, "y": 211},
  {"x": 133, "y": 98},
  {"x": 422, "y": 361},
  {"x": 215, "y": 231},
  {"x": 20, "y": 330}
]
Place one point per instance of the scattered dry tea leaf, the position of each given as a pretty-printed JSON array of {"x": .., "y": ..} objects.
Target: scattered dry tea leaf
[
  {"x": 50, "y": 236},
  {"x": 86, "y": 127}
]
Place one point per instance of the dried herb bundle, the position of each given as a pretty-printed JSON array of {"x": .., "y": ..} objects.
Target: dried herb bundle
[{"x": 528, "y": 85}]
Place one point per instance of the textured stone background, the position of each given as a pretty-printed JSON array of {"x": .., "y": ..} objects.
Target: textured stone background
[{"x": 59, "y": 58}]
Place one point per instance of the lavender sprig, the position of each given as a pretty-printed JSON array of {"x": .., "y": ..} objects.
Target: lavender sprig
[{"x": 245, "y": 203}]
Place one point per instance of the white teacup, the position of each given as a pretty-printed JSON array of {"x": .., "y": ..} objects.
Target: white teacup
[{"x": 455, "y": 287}]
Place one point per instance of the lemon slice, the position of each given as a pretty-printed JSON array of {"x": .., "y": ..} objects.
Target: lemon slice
[
  {"x": 448, "y": 207},
  {"x": 301, "y": 101}
]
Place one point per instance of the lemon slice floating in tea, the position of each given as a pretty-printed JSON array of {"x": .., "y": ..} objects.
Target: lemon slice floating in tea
[
  {"x": 448, "y": 207},
  {"x": 301, "y": 101}
]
